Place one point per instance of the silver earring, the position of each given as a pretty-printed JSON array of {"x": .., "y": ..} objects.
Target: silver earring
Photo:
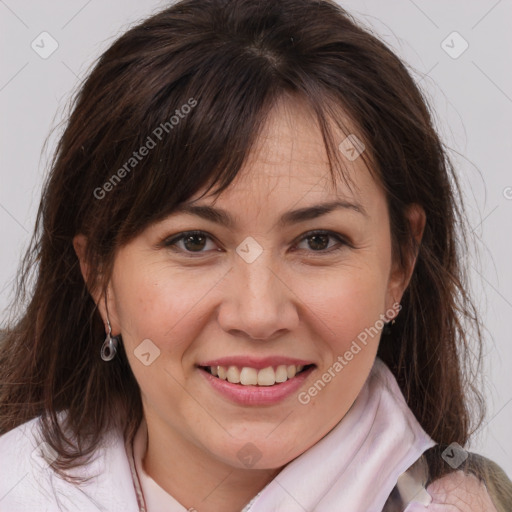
[{"x": 109, "y": 347}]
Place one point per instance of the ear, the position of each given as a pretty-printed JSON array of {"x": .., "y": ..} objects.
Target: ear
[
  {"x": 80, "y": 246},
  {"x": 401, "y": 273}
]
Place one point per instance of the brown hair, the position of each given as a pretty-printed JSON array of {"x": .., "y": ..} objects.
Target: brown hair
[{"x": 230, "y": 61}]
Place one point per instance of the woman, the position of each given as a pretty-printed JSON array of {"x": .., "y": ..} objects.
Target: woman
[{"x": 249, "y": 293}]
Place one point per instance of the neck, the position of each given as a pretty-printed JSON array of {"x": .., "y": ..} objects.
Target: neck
[{"x": 196, "y": 480}]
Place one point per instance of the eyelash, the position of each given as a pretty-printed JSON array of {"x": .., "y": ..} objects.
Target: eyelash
[{"x": 171, "y": 243}]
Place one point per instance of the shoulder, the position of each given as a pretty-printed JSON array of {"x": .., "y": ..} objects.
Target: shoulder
[
  {"x": 22, "y": 468},
  {"x": 28, "y": 481},
  {"x": 477, "y": 485},
  {"x": 460, "y": 492},
  {"x": 18, "y": 445}
]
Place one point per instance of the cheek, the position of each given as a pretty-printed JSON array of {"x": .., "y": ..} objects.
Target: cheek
[
  {"x": 160, "y": 302},
  {"x": 346, "y": 302}
]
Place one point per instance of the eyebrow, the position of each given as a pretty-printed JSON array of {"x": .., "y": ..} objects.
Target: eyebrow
[{"x": 222, "y": 217}]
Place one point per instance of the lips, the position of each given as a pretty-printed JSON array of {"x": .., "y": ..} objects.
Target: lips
[
  {"x": 265, "y": 394},
  {"x": 250, "y": 371}
]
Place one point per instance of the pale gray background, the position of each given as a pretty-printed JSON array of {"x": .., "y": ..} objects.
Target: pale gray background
[{"x": 472, "y": 96}]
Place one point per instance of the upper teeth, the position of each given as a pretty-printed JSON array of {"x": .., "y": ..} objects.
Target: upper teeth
[{"x": 252, "y": 377}]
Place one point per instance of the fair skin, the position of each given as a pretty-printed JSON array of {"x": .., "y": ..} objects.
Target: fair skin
[{"x": 300, "y": 298}]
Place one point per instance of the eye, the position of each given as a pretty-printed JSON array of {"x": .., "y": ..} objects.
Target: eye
[
  {"x": 193, "y": 241},
  {"x": 318, "y": 241},
  {"x": 197, "y": 242}
]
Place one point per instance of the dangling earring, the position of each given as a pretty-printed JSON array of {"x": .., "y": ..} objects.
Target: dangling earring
[{"x": 109, "y": 347}]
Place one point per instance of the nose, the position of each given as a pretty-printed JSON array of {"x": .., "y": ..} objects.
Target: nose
[{"x": 258, "y": 302}]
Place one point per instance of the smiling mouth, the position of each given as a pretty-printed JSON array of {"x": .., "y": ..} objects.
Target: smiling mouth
[{"x": 247, "y": 376}]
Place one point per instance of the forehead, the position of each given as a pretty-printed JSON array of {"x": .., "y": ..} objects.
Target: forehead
[{"x": 289, "y": 158}]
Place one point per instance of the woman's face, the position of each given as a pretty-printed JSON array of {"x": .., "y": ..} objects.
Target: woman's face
[{"x": 261, "y": 291}]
